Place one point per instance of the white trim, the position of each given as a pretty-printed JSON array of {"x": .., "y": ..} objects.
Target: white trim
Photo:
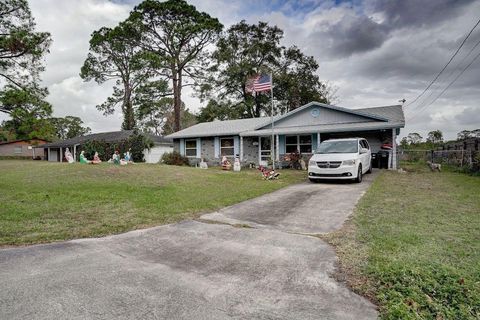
[
  {"x": 241, "y": 149},
  {"x": 216, "y": 147},
  {"x": 277, "y": 149},
  {"x": 394, "y": 149},
  {"x": 232, "y": 147},
  {"x": 185, "y": 148}
]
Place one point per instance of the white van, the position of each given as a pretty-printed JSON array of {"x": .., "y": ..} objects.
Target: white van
[{"x": 341, "y": 159}]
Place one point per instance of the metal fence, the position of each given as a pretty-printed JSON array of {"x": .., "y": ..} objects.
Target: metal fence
[{"x": 459, "y": 157}]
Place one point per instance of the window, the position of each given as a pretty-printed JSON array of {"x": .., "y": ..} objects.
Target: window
[
  {"x": 191, "y": 148},
  {"x": 17, "y": 150},
  {"x": 301, "y": 143},
  {"x": 305, "y": 143},
  {"x": 227, "y": 147}
]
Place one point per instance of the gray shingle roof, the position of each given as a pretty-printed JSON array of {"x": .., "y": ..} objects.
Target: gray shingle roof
[
  {"x": 387, "y": 117},
  {"x": 220, "y": 128},
  {"x": 113, "y": 136}
]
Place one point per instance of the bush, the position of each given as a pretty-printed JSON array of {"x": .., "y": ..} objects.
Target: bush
[{"x": 174, "y": 158}]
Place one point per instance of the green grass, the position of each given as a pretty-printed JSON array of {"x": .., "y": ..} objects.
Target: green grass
[
  {"x": 413, "y": 245},
  {"x": 43, "y": 202}
]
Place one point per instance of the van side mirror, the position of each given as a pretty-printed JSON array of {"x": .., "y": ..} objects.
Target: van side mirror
[{"x": 363, "y": 150}]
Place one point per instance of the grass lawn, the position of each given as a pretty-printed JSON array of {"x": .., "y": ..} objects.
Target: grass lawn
[
  {"x": 43, "y": 202},
  {"x": 413, "y": 245}
]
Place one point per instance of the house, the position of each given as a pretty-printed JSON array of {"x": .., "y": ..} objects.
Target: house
[
  {"x": 55, "y": 151},
  {"x": 21, "y": 148},
  {"x": 301, "y": 129}
]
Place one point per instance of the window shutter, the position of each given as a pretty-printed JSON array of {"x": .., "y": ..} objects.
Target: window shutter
[
  {"x": 236, "y": 146},
  {"x": 199, "y": 148},
  {"x": 182, "y": 147},
  {"x": 216, "y": 146}
]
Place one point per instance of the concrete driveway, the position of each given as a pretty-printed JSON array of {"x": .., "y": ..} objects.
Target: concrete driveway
[
  {"x": 303, "y": 208},
  {"x": 192, "y": 270}
]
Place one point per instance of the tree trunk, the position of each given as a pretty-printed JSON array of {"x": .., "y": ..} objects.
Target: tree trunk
[
  {"x": 177, "y": 101},
  {"x": 128, "y": 115}
]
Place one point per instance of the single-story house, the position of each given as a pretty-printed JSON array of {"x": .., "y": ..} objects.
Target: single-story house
[
  {"x": 55, "y": 151},
  {"x": 21, "y": 148},
  {"x": 301, "y": 129}
]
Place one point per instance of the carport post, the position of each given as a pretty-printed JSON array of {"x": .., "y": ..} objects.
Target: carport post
[
  {"x": 394, "y": 149},
  {"x": 48, "y": 154},
  {"x": 61, "y": 158},
  {"x": 318, "y": 141}
]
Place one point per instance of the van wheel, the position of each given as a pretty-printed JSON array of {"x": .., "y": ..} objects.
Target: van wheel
[{"x": 359, "y": 174}]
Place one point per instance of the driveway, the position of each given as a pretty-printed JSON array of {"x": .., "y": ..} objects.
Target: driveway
[
  {"x": 303, "y": 208},
  {"x": 192, "y": 270}
]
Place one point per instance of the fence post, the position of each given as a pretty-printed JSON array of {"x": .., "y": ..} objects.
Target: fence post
[
  {"x": 432, "y": 155},
  {"x": 461, "y": 160}
]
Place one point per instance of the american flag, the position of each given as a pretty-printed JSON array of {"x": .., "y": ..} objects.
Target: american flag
[{"x": 258, "y": 83}]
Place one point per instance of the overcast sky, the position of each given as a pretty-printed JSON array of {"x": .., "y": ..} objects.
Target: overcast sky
[{"x": 375, "y": 51}]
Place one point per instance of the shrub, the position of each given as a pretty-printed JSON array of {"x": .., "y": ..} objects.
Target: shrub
[{"x": 174, "y": 158}]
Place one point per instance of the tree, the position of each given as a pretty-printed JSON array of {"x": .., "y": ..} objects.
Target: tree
[
  {"x": 114, "y": 55},
  {"x": 245, "y": 50},
  {"x": 69, "y": 127},
  {"x": 414, "y": 138},
  {"x": 404, "y": 142},
  {"x": 177, "y": 35},
  {"x": 21, "y": 47},
  {"x": 153, "y": 113},
  {"x": 215, "y": 110},
  {"x": 28, "y": 111},
  {"x": 21, "y": 53},
  {"x": 435, "y": 137},
  {"x": 188, "y": 119},
  {"x": 464, "y": 134}
]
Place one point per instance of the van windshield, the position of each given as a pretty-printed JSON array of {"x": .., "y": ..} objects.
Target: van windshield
[{"x": 346, "y": 146}]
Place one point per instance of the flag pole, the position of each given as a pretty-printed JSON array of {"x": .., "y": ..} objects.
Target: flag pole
[{"x": 272, "y": 143}]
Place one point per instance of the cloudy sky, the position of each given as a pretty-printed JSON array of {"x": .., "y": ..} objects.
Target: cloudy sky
[{"x": 375, "y": 51}]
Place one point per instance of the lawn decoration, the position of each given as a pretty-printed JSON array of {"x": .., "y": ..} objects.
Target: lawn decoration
[
  {"x": 203, "y": 164},
  {"x": 236, "y": 165},
  {"x": 115, "y": 158},
  {"x": 68, "y": 156},
  {"x": 83, "y": 159},
  {"x": 435, "y": 166},
  {"x": 268, "y": 174},
  {"x": 96, "y": 159},
  {"x": 226, "y": 165}
]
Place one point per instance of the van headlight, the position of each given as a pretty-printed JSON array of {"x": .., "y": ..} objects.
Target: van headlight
[
  {"x": 312, "y": 163},
  {"x": 348, "y": 162}
]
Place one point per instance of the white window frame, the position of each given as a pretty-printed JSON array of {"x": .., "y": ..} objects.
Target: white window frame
[
  {"x": 16, "y": 150},
  {"x": 232, "y": 147},
  {"x": 195, "y": 148},
  {"x": 298, "y": 144}
]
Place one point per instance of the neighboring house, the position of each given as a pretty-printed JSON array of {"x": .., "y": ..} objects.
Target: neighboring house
[
  {"x": 21, "y": 148},
  {"x": 301, "y": 129},
  {"x": 55, "y": 151}
]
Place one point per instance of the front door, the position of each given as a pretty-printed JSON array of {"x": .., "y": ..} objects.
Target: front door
[{"x": 265, "y": 149}]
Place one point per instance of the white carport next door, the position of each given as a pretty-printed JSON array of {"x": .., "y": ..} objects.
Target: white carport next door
[{"x": 155, "y": 153}]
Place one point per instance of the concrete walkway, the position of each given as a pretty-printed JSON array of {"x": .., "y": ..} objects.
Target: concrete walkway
[{"x": 194, "y": 270}]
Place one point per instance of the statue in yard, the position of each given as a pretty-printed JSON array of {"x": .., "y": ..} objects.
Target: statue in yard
[
  {"x": 96, "y": 159},
  {"x": 83, "y": 159},
  {"x": 203, "y": 164},
  {"x": 236, "y": 165},
  {"x": 68, "y": 156},
  {"x": 226, "y": 165},
  {"x": 128, "y": 156},
  {"x": 116, "y": 157}
]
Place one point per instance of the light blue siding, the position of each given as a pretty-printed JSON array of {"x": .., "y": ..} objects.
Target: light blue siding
[
  {"x": 216, "y": 146},
  {"x": 236, "y": 146},
  {"x": 281, "y": 144},
  {"x": 199, "y": 148},
  {"x": 182, "y": 147}
]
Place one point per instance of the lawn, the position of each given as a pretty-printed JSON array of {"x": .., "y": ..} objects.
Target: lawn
[
  {"x": 43, "y": 202},
  {"x": 413, "y": 245}
]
